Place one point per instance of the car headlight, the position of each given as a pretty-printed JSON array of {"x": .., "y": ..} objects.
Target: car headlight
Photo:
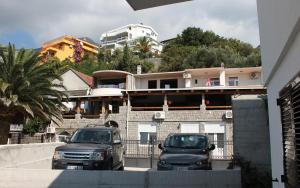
[
  {"x": 163, "y": 162},
  {"x": 97, "y": 156},
  {"x": 58, "y": 155},
  {"x": 199, "y": 163}
]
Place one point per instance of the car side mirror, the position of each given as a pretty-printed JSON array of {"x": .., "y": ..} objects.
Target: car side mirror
[
  {"x": 67, "y": 140},
  {"x": 160, "y": 146},
  {"x": 212, "y": 147},
  {"x": 117, "y": 142}
]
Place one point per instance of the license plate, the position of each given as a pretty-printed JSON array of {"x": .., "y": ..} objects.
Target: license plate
[
  {"x": 71, "y": 167},
  {"x": 181, "y": 168}
]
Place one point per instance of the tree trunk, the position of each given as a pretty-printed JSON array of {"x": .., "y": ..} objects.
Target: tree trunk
[{"x": 4, "y": 131}]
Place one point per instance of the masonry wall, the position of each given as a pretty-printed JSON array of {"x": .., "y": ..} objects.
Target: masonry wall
[
  {"x": 171, "y": 124},
  {"x": 251, "y": 130}
]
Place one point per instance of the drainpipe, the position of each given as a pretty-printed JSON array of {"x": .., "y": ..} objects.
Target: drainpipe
[{"x": 127, "y": 113}]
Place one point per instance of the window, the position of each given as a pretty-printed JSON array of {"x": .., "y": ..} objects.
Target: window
[
  {"x": 211, "y": 137},
  {"x": 171, "y": 83},
  {"x": 116, "y": 136},
  {"x": 146, "y": 133},
  {"x": 147, "y": 137},
  {"x": 290, "y": 122},
  {"x": 220, "y": 140},
  {"x": 196, "y": 81},
  {"x": 233, "y": 81},
  {"x": 215, "y": 81},
  {"x": 152, "y": 84}
]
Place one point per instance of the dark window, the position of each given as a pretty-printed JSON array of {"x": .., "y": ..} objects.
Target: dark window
[
  {"x": 233, "y": 81},
  {"x": 220, "y": 140},
  {"x": 215, "y": 82},
  {"x": 152, "y": 84},
  {"x": 171, "y": 83},
  {"x": 196, "y": 81},
  {"x": 146, "y": 137},
  {"x": 211, "y": 137}
]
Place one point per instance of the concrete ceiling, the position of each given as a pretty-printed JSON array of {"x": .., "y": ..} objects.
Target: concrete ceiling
[{"x": 143, "y": 4}]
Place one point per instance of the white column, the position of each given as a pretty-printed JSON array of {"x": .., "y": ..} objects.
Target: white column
[{"x": 222, "y": 78}]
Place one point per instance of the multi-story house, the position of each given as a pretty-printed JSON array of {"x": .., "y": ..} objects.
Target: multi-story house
[
  {"x": 64, "y": 47},
  {"x": 117, "y": 38},
  {"x": 152, "y": 105}
]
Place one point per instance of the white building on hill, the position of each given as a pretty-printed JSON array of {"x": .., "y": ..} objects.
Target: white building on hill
[{"x": 117, "y": 38}]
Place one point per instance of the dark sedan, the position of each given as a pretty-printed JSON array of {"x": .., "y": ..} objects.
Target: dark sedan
[{"x": 185, "y": 152}]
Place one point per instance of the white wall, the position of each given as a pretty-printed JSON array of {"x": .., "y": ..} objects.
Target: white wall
[
  {"x": 244, "y": 79},
  {"x": 279, "y": 36},
  {"x": 72, "y": 82},
  {"x": 142, "y": 83},
  {"x": 277, "y": 19},
  {"x": 27, "y": 155}
]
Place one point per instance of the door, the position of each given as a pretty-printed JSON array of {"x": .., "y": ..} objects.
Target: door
[{"x": 216, "y": 135}]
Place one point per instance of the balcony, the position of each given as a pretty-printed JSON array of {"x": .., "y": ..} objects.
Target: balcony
[{"x": 109, "y": 91}]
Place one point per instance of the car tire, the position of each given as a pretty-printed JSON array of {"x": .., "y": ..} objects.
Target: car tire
[
  {"x": 209, "y": 167},
  {"x": 109, "y": 165}
]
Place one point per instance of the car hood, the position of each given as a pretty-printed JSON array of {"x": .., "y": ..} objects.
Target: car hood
[
  {"x": 83, "y": 147},
  {"x": 182, "y": 158}
]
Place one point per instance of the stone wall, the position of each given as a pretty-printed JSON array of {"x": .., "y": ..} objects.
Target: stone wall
[
  {"x": 251, "y": 130},
  {"x": 171, "y": 124}
]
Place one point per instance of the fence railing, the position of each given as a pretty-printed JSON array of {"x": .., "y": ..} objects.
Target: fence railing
[{"x": 137, "y": 149}]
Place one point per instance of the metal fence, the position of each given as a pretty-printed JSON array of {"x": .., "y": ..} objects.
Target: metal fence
[
  {"x": 137, "y": 149},
  {"x": 19, "y": 138}
]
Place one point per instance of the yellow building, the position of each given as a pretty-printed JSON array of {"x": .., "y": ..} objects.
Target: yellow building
[{"x": 64, "y": 48}]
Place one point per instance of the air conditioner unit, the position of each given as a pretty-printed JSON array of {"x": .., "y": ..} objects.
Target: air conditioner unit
[
  {"x": 253, "y": 76},
  {"x": 159, "y": 115},
  {"x": 187, "y": 75},
  {"x": 50, "y": 130},
  {"x": 228, "y": 114}
]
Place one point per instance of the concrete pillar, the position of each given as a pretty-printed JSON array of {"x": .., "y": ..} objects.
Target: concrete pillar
[
  {"x": 188, "y": 82},
  {"x": 165, "y": 106},
  {"x": 222, "y": 77},
  {"x": 103, "y": 107},
  {"x": 78, "y": 103},
  {"x": 203, "y": 105},
  {"x": 124, "y": 102}
]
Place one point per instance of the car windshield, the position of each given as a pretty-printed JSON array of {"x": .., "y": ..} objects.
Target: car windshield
[
  {"x": 187, "y": 141},
  {"x": 91, "y": 136}
]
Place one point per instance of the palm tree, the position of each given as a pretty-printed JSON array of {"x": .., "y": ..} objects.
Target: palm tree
[
  {"x": 143, "y": 46},
  {"x": 26, "y": 90}
]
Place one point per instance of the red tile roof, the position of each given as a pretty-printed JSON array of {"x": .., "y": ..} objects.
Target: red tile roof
[{"x": 84, "y": 77}]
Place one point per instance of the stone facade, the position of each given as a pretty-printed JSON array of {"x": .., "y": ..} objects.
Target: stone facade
[{"x": 171, "y": 124}]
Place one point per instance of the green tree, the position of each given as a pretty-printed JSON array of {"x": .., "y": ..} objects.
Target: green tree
[
  {"x": 26, "y": 90},
  {"x": 143, "y": 47},
  {"x": 32, "y": 126},
  {"x": 173, "y": 57}
]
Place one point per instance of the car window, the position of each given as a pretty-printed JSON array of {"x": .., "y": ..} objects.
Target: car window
[
  {"x": 187, "y": 141},
  {"x": 116, "y": 136},
  {"x": 91, "y": 136}
]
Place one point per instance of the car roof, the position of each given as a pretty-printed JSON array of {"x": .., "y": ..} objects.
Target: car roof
[
  {"x": 192, "y": 134},
  {"x": 100, "y": 128}
]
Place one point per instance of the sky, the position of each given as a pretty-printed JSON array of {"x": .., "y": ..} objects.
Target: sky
[{"x": 30, "y": 23}]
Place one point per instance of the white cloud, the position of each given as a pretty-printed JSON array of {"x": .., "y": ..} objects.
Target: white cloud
[{"x": 45, "y": 20}]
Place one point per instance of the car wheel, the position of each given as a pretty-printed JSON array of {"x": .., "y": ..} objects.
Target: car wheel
[
  {"x": 209, "y": 167},
  {"x": 109, "y": 165}
]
